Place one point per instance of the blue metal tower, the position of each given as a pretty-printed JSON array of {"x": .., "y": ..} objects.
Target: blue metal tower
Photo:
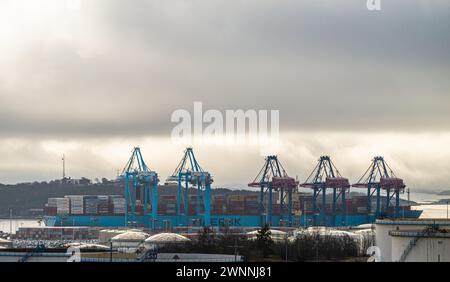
[
  {"x": 189, "y": 172},
  {"x": 141, "y": 183},
  {"x": 273, "y": 177},
  {"x": 325, "y": 175},
  {"x": 379, "y": 176}
]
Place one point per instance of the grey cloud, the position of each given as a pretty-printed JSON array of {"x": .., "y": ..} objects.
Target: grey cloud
[{"x": 324, "y": 65}]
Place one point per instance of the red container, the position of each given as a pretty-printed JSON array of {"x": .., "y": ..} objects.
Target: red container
[{"x": 50, "y": 211}]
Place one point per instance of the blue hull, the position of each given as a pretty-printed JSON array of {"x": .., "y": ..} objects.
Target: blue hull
[{"x": 226, "y": 220}]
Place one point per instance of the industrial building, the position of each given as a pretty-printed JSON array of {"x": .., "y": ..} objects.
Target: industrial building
[{"x": 413, "y": 240}]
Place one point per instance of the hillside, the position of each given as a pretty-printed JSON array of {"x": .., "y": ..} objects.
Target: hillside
[{"x": 25, "y": 196}]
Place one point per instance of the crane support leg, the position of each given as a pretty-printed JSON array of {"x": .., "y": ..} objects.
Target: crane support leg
[
  {"x": 290, "y": 207},
  {"x": 369, "y": 200},
  {"x": 397, "y": 203},
  {"x": 324, "y": 205},
  {"x": 388, "y": 199},
  {"x": 378, "y": 210},
  {"x": 146, "y": 195},
  {"x": 186, "y": 203},
  {"x": 155, "y": 202},
  {"x": 207, "y": 205},
  {"x": 261, "y": 205},
  {"x": 281, "y": 203},
  {"x": 314, "y": 206},
  {"x": 197, "y": 208},
  {"x": 179, "y": 200},
  {"x": 133, "y": 194},
  {"x": 344, "y": 208},
  {"x": 127, "y": 188},
  {"x": 269, "y": 213},
  {"x": 334, "y": 207}
]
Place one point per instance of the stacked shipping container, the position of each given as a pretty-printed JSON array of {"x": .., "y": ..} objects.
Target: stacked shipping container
[
  {"x": 85, "y": 204},
  {"x": 90, "y": 205},
  {"x": 251, "y": 206},
  {"x": 62, "y": 206},
  {"x": 117, "y": 204},
  {"x": 103, "y": 207},
  {"x": 235, "y": 204},
  {"x": 221, "y": 204},
  {"x": 76, "y": 204}
]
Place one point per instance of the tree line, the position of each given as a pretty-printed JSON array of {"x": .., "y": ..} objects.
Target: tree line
[{"x": 305, "y": 247}]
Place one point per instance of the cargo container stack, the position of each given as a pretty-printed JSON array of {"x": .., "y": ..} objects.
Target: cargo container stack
[
  {"x": 50, "y": 207},
  {"x": 219, "y": 204},
  {"x": 103, "y": 205},
  {"x": 76, "y": 204},
  {"x": 52, "y": 202},
  {"x": 306, "y": 204},
  {"x": 251, "y": 205},
  {"x": 51, "y": 211},
  {"x": 171, "y": 209},
  {"x": 236, "y": 204},
  {"x": 139, "y": 207},
  {"x": 91, "y": 205},
  {"x": 118, "y": 204},
  {"x": 167, "y": 205},
  {"x": 192, "y": 206},
  {"x": 62, "y": 206},
  {"x": 276, "y": 209},
  {"x": 360, "y": 202}
]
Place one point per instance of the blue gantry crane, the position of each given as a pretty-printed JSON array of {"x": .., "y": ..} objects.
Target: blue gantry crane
[
  {"x": 189, "y": 172},
  {"x": 326, "y": 175},
  {"x": 273, "y": 177},
  {"x": 379, "y": 176},
  {"x": 141, "y": 184}
]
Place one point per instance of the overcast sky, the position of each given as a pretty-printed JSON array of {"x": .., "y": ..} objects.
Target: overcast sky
[{"x": 93, "y": 82}]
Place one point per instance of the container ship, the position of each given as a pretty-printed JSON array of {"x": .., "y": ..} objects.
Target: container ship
[
  {"x": 234, "y": 209},
  {"x": 187, "y": 199}
]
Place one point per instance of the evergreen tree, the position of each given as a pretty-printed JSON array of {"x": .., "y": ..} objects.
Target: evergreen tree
[{"x": 264, "y": 241}]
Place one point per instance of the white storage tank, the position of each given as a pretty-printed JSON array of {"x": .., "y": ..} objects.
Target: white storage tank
[
  {"x": 162, "y": 239},
  {"x": 411, "y": 240},
  {"x": 276, "y": 235},
  {"x": 129, "y": 241},
  {"x": 433, "y": 247},
  {"x": 105, "y": 235}
]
